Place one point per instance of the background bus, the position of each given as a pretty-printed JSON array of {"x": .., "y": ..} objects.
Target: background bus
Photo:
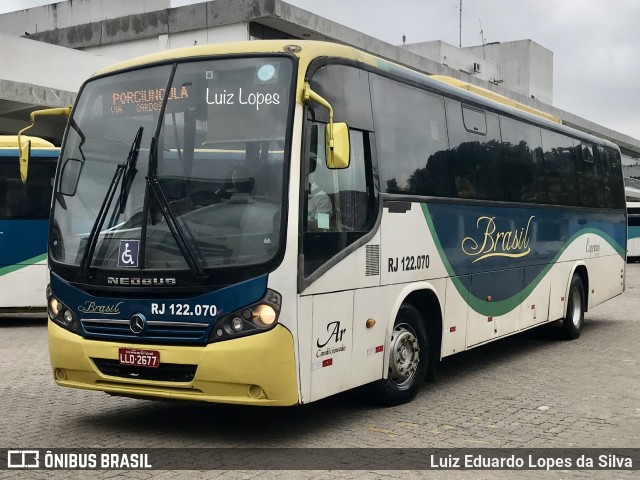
[
  {"x": 24, "y": 218},
  {"x": 271, "y": 223},
  {"x": 633, "y": 243}
]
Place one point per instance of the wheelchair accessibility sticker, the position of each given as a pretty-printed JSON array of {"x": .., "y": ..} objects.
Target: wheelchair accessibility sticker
[{"x": 128, "y": 254}]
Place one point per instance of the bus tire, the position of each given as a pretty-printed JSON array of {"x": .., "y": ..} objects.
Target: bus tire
[
  {"x": 408, "y": 359},
  {"x": 574, "y": 319}
]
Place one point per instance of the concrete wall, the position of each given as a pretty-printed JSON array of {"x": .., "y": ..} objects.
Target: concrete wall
[
  {"x": 525, "y": 67},
  {"x": 77, "y": 12},
  {"x": 35, "y": 63},
  {"x": 164, "y": 41},
  {"x": 458, "y": 59}
]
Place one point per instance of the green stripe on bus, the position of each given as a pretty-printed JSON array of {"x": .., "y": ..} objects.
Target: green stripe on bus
[
  {"x": 495, "y": 309},
  {"x": 24, "y": 263}
]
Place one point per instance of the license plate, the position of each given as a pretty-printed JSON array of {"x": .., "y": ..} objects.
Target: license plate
[{"x": 139, "y": 358}]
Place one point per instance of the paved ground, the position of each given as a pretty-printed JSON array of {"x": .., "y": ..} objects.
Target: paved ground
[{"x": 530, "y": 390}]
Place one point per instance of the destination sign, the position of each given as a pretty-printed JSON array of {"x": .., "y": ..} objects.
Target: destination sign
[{"x": 130, "y": 102}]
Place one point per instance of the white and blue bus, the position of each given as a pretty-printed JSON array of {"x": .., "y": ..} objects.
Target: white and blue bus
[
  {"x": 24, "y": 219},
  {"x": 633, "y": 232},
  {"x": 271, "y": 223}
]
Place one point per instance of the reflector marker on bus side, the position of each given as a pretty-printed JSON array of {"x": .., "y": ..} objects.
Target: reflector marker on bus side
[
  {"x": 374, "y": 350},
  {"x": 324, "y": 363},
  {"x": 452, "y": 329}
]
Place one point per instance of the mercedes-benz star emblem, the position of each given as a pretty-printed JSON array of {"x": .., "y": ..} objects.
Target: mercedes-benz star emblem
[{"x": 137, "y": 323}]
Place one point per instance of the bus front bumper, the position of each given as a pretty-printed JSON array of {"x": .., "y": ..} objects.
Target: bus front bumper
[{"x": 253, "y": 370}]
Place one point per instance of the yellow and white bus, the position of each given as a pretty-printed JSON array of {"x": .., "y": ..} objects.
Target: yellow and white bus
[{"x": 271, "y": 223}]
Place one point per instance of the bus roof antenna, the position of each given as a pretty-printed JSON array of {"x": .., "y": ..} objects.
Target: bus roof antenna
[
  {"x": 483, "y": 40},
  {"x": 460, "y": 45}
]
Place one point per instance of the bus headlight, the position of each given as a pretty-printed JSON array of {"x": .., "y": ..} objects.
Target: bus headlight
[
  {"x": 255, "y": 318},
  {"x": 59, "y": 313},
  {"x": 236, "y": 324},
  {"x": 54, "y": 307},
  {"x": 264, "y": 315}
]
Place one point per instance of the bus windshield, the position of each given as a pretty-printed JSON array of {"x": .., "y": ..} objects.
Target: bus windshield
[{"x": 175, "y": 167}]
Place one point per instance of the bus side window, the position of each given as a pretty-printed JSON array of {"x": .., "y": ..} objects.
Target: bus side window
[
  {"x": 611, "y": 166},
  {"x": 411, "y": 139},
  {"x": 475, "y": 151},
  {"x": 589, "y": 183},
  {"x": 337, "y": 200},
  {"x": 560, "y": 169},
  {"x": 319, "y": 207},
  {"x": 339, "y": 204},
  {"x": 522, "y": 147}
]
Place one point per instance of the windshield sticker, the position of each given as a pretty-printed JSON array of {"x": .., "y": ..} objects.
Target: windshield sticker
[
  {"x": 128, "y": 255},
  {"x": 254, "y": 99}
]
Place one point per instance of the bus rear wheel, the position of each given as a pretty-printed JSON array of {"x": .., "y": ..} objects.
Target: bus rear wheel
[
  {"x": 408, "y": 356},
  {"x": 574, "y": 319}
]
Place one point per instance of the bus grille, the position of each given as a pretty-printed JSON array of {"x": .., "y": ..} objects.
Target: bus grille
[
  {"x": 166, "y": 372},
  {"x": 163, "y": 331}
]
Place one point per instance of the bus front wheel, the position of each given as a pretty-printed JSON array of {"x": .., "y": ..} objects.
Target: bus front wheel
[
  {"x": 574, "y": 319},
  {"x": 408, "y": 356}
]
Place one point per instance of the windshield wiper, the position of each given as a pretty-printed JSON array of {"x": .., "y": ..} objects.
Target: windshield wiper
[
  {"x": 153, "y": 187},
  {"x": 174, "y": 227},
  {"x": 130, "y": 170},
  {"x": 122, "y": 170}
]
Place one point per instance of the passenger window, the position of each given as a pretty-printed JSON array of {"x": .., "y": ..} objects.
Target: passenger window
[
  {"x": 411, "y": 139},
  {"x": 477, "y": 159},
  {"x": 559, "y": 169},
  {"x": 522, "y": 146},
  {"x": 589, "y": 182},
  {"x": 612, "y": 178}
]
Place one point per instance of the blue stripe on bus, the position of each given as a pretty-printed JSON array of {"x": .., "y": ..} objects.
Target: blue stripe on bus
[
  {"x": 86, "y": 306},
  {"x": 22, "y": 240},
  {"x": 40, "y": 153},
  {"x": 513, "y": 245}
]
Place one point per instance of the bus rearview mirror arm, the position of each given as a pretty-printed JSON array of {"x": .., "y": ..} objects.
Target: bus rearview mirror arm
[
  {"x": 337, "y": 134},
  {"x": 25, "y": 150}
]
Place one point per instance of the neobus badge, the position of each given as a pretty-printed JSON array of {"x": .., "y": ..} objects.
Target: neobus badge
[{"x": 510, "y": 243}]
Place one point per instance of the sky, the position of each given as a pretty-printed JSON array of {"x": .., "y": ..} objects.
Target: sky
[{"x": 595, "y": 43}]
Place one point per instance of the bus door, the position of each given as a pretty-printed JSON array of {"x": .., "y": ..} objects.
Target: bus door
[{"x": 339, "y": 264}]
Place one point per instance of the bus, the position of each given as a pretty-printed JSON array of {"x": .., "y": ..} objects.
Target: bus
[
  {"x": 633, "y": 242},
  {"x": 275, "y": 222},
  {"x": 24, "y": 218}
]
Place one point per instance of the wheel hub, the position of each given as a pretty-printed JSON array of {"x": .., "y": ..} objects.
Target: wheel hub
[{"x": 404, "y": 355}]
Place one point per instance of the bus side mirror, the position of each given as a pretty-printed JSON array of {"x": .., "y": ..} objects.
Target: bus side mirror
[
  {"x": 69, "y": 176},
  {"x": 25, "y": 154},
  {"x": 25, "y": 150},
  {"x": 336, "y": 134},
  {"x": 338, "y": 154}
]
